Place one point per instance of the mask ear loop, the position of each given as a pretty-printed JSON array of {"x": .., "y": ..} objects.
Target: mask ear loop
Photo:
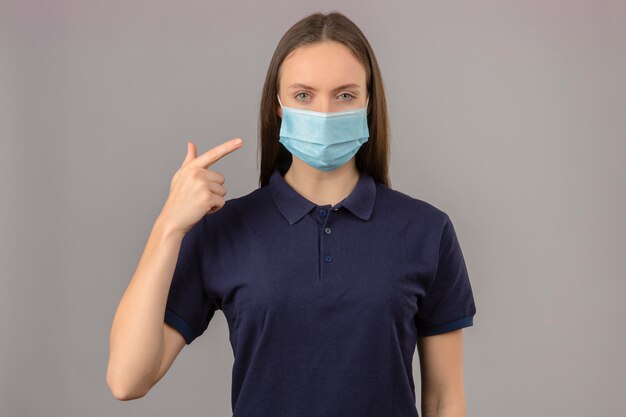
[{"x": 281, "y": 104}]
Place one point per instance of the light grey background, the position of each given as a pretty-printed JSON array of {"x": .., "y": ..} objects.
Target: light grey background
[{"x": 508, "y": 115}]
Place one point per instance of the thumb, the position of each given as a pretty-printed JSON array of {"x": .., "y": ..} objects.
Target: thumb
[{"x": 191, "y": 152}]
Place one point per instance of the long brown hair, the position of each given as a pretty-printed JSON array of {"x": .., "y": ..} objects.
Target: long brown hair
[{"x": 373, "y": 156}]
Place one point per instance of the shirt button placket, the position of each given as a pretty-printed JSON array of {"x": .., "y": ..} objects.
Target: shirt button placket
[{"x": 327, "y": 258}]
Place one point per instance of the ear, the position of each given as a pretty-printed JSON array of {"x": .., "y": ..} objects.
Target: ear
[{"x": 279, "y": 109}]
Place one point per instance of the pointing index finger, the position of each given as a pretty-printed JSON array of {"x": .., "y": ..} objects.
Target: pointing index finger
[{"x": 215, "y": 154}]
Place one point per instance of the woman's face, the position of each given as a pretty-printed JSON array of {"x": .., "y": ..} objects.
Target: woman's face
[{"x": 324, "y": 77}]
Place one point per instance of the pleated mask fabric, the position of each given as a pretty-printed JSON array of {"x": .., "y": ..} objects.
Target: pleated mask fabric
[{"x": 325, "y": 141}]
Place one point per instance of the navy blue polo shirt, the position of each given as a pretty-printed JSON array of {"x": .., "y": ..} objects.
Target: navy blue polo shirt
[{"x": 324, "y": 303}]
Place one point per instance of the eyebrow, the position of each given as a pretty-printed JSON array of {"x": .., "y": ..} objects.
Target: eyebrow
[{"x": 341, "y": 87}]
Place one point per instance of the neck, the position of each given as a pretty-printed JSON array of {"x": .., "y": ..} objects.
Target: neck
[{"x": 322, "y": 187}]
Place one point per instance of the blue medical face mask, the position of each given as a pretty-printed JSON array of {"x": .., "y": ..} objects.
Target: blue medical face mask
[{"x": 325, "y": 141}]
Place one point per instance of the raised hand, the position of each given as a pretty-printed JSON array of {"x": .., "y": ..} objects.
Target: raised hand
[{"x": 195, "y": 189}]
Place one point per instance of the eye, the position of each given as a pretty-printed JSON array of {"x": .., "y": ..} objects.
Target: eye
[
  {"x": 349, "y": 96},
  {"x": 299, "y": 94}
]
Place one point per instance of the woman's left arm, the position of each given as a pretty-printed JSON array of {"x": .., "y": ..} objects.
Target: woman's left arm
[{"x": 441, "y": 369}]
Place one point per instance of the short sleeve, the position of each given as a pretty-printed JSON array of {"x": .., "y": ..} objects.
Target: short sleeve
[
  {"x": 449, "y": 302},
  {"x": 189, "y": 308}
]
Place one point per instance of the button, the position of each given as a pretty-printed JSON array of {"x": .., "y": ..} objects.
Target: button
[
  {"x": 335, "y": 209},
  {"x": 323, "y": 213},
  {"x": 327, "y": 230},
  {"x": 328, "y": 258}
]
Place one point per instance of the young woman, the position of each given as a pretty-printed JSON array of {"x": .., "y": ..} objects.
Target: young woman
[{"x": 328, "y": 278}]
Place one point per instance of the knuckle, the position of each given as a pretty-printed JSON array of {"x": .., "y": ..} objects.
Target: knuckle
[{"x": 207, "y": 196}]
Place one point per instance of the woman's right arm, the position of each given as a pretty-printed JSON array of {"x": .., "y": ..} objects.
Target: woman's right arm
[
  {"x": 137, "y": 342},
  {"x": 142, "y": 346}
]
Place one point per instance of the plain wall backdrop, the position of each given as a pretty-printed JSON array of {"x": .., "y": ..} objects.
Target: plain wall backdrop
[{"x": 508, "y": 115}]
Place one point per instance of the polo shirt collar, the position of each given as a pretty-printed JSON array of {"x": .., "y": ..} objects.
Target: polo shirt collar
[{"x": 294, "y": 206}]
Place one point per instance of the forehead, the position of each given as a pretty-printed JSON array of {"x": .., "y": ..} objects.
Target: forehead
[{"x": 323, "y": 65}]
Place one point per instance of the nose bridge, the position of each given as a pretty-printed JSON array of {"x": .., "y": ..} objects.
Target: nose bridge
[{"x": 325, "y": 106}]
